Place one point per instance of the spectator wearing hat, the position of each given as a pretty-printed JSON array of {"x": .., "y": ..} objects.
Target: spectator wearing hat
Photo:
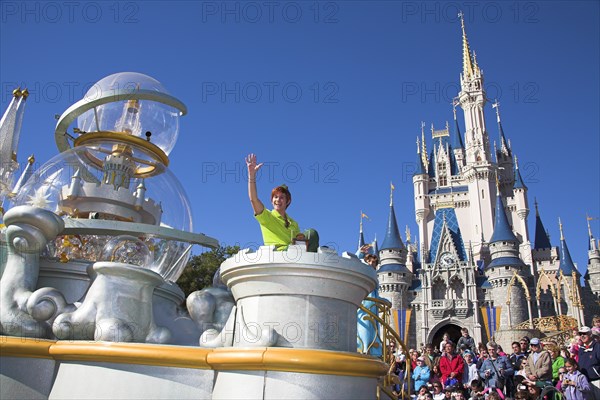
[
  {"x": 451, "y": 366},
  {"x": 421, "y": 373},
  {"x": 589, "y": 359},
  {"x": 470, "y": 372},
  {"x": 539, "y": 363},
  {"x": 524, "y": 342}
]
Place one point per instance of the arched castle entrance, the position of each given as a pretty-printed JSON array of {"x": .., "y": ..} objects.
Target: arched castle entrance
[{"x": 437, "y": 334}]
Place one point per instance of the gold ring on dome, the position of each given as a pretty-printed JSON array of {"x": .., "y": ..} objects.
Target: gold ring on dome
[
  {"x": 88, "y": 103},
  {"x": 103, "y": 136}
]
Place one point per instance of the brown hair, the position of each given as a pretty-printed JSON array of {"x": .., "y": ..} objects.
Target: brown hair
[{"x": 283, "y": 189}]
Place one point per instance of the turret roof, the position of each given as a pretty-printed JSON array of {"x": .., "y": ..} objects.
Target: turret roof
[
  {"x": 541, "y": 237},
  {"x": 566, "y": 264},
  {"x": 392, "y": 238},
  {"x": 519, "y": 184},
  {"x": 502, "y": 229}
]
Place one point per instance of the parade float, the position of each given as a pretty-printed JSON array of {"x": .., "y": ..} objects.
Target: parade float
[{"x": 92, "y": 243}]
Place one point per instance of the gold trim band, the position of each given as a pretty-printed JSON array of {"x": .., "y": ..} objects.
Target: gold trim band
[
  {"x": 221, "y": 359},
  {"x": 95, "y": 137}
]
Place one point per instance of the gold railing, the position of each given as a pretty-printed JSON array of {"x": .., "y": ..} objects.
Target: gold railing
[
  {"x": 383, "y": 329},
  {"x": 550, "y": 324}
]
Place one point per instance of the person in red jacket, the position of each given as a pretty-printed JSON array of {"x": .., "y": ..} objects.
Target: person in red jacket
[{"x": 451, "y": 366}]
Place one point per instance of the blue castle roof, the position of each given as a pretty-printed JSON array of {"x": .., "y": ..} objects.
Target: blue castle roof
[
  {"x": 503, "y": 141},
  {"x": 420, "y": 168},
  {"x": 505, "y": 261},
  {"x": 392, "y": 238},
  {"x": 566, "y": 262},
  {"x": 519, "y": 184},
  {"x": 449, "y": 215},
  {"x": 502, "y": 230},
  {"x": 416, "y": 285},
  {"x": 400, "y": 268},
  {"x": 457, "y": 142},
  {"x": 541, "y": 237}
]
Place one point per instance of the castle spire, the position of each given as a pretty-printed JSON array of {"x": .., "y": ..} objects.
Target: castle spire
[
  {"x": 457, "y": 142},
  {"x": 566, "y": 264},
  {"x": 504, "y": 147},
  {"x": 519, "y": 184},
  {"x": 502, "y": 230},
  {"x": 423, "y": 146},
  {"x": 361, "y": 238},
  {"x": 392, "y": 238},
  {"x": 593, "y": 246},
  {"x": 468, "y": 69},
  {"x": 541, "y": 237}
]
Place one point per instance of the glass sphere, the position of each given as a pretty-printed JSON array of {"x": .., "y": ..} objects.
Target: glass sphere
[
  {"x": 131, "y": 116},
  {"x": 129, "y": 250},
  {"x": 70, "y": 187}
]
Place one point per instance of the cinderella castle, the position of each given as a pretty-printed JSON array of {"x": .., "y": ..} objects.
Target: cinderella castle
[{"x": 476, "y": 264}]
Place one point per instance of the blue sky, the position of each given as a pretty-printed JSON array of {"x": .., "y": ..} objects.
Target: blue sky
[{"x": 330, "y": 94}]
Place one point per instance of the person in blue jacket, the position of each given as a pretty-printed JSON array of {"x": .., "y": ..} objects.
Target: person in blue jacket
[{"x": 421, "y": 373}]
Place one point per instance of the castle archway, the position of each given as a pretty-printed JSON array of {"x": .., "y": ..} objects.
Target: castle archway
[{"x": 453, "y": 330}]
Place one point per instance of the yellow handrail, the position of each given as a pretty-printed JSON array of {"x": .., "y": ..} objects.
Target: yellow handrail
[{"x": 388, "y": 334}]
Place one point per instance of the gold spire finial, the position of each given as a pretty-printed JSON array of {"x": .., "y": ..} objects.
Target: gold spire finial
[
  {"x": 562, "y": 236},
  {"x": 25, "y": 93},
  {"x": 392, "y": 187},
  {"x": 467, "y": 59},
  {"x": 516, "y": 162},
  {"x": 31, "y": 159},
  {"x": 17, "y": 92}
]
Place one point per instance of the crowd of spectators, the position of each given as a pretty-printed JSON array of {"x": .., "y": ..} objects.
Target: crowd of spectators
[{"x": 534, "y": 369}]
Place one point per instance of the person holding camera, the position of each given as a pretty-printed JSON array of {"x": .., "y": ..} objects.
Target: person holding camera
[{"x": 574, "y": 384}]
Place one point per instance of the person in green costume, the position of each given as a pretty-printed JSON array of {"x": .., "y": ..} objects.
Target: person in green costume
[{"x": 277, "y": 227}]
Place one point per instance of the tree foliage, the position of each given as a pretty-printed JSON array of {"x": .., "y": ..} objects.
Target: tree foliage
[{"x": 199, "y": 271}]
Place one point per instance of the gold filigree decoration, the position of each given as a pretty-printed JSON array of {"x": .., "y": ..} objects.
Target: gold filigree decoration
[{"x": 560, "y": 324}]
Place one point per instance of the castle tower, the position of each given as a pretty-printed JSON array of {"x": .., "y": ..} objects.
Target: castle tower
[
  {"x": 590, "y": 292},
  {"x": 568, "y": 282},
  {"x": 479, "y": 171},
  {"x": 421, "y": 193},
  {"x": 393, "y": 275},
  {"x": 520, "y": 214},
  {"x": 457, "y": 143},
  {"x": 505, "y": 272},
  {"x": 503, "y": 158},
  {"x": 593, "y": 269}
]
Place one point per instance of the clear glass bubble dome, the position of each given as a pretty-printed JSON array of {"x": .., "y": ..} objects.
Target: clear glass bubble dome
[
  {"x": 132, "y": 116},
  {"x": 48, "y": 188}
]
